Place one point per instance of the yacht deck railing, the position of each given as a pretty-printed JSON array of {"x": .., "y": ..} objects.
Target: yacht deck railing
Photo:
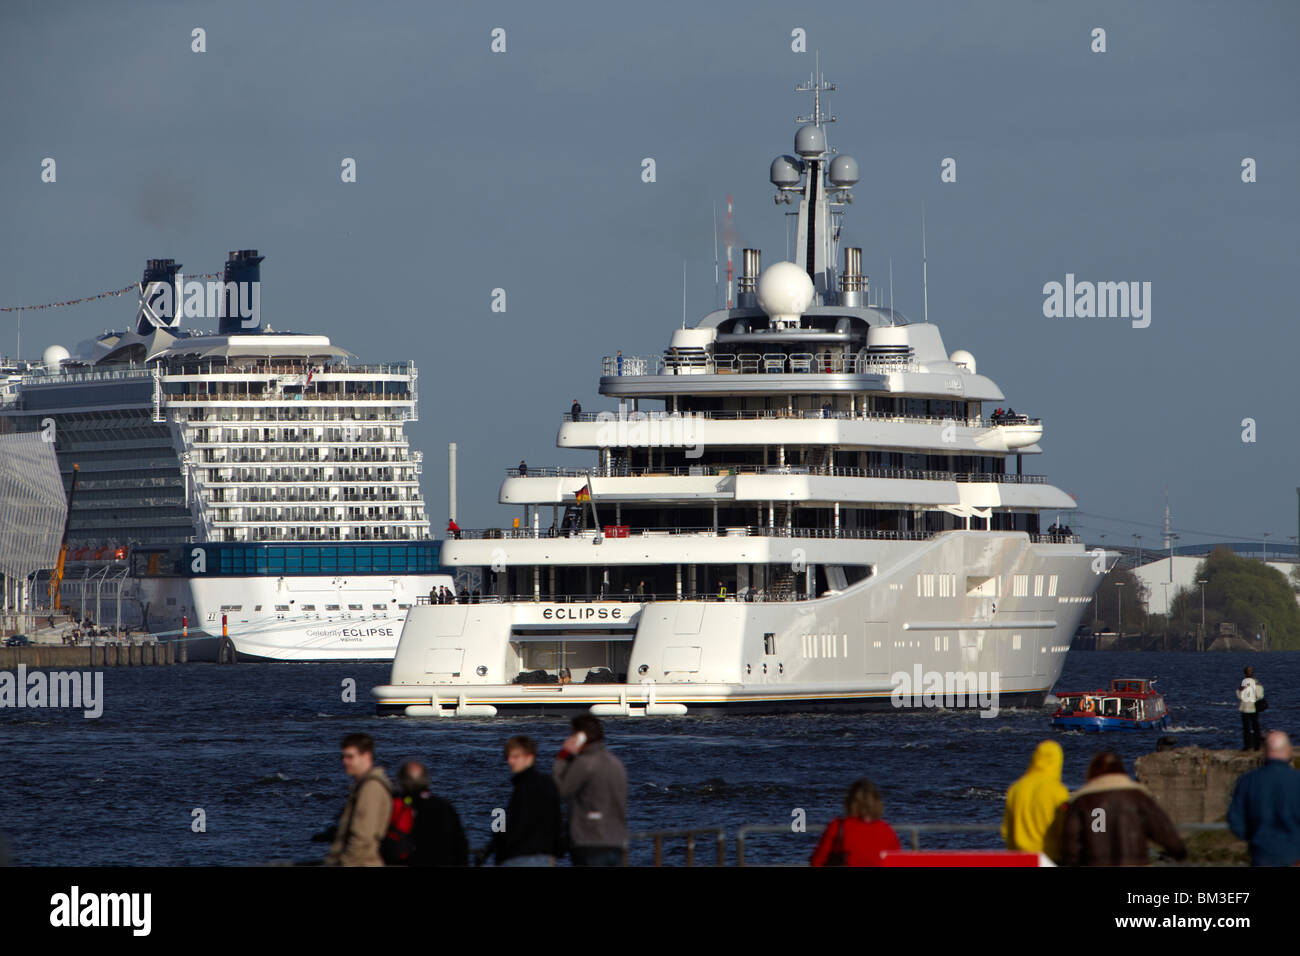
[{"x": 709, "y": 471}]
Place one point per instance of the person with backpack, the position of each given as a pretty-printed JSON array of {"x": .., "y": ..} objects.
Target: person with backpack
[
  {"x": 534, "y": 833},
  {"x": 860, "y": 836},
  {"x": 364, "y": 821},
  {"x": 424, "y": 829},
  {"x": 1250, "y": 693}
]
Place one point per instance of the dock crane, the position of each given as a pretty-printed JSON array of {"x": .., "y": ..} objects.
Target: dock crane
[{"x": 56, "y": 579}]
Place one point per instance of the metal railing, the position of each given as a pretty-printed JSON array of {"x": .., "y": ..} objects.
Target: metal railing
[
  {"x": 624, "y": 597},
  {"x": 751, "y": 531},
  {"x": 693, "y": 362},
  {"x": 715, "y": 471},
  {"x": 770, "y": 414},
  {"x": 658, "y": 836},
  {"x": 914, "y": 831}
]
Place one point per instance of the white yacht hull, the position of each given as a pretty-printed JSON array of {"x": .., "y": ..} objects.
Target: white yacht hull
[{"x": 989, "y": 615}]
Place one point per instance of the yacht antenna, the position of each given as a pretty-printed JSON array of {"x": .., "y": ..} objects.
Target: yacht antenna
[
  {"x": 891, "y": 289},
  {"x": 925, "y": 291},
  {"x": 683, "y": 293},
  {"x": 715, "y": 253}
]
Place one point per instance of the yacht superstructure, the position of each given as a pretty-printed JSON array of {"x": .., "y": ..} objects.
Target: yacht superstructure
[
  {"x": 804, "y": 502},
  {"x": 243, "y": 481}
]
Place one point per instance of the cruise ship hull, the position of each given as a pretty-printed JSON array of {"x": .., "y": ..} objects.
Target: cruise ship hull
[
  {"x": 191, "y": 610},
  {"x": 966, "y": 619}
]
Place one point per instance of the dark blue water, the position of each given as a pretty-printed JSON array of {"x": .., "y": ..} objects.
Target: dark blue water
[{"x": 255, "y": 747}]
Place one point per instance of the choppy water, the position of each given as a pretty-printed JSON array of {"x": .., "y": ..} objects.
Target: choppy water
[{"x": 255, "y": 747}]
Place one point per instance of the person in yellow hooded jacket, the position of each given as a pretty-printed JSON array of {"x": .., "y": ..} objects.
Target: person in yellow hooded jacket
[{"x": 1034, "y": 802}]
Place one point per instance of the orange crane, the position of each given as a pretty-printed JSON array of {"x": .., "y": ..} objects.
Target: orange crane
[{"x": 56, "y": 578}]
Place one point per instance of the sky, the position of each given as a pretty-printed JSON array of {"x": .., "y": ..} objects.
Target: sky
[{"x": 521, "y": 170}]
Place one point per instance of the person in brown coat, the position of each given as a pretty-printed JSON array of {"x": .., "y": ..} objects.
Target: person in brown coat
[
  {"x": 366, "y": 815},
  {"x": 1111, "y": 817}
]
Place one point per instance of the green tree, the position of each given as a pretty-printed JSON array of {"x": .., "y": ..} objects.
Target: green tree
[
  {"x": 1121, "y": 588},
  {"x": 1258, "y": 599}
]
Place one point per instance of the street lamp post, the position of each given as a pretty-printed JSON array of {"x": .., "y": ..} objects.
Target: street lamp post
[
  {"x": 1119, "y": 610},
  {"x": 1164, "y": 640},
  {"x": 1202, "y": 640},
  {"x": 1266, "y": 534}
]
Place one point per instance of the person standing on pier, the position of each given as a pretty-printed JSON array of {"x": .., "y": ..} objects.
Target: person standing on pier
[
  {"x": 365, "y": 818},
  {"x": 594, "y": 783},
  {"x": 1265, "y": 809},
  {"x": 1251, "y": 694},
  {"x": 1034, "y": 801}
]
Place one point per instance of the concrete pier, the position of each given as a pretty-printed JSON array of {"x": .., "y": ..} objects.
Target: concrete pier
[
  {"x": 1195, "y": 785},
  {"x": 107, "y": 654}
]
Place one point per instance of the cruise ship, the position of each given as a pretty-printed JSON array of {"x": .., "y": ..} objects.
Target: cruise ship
[
  {"x": 804, "y": 502},
  {"x": 244, "y": 482}
]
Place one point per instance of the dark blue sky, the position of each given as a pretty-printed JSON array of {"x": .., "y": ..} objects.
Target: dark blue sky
[{"x": 522, "y": 171}]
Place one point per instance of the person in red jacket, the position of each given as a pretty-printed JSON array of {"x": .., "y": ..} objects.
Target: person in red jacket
[
  {"x": 860, "y": 836},
  {"x": 453, "y": 529}
]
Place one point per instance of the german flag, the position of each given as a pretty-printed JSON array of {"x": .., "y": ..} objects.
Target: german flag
[{"x": 583, "y": 493}]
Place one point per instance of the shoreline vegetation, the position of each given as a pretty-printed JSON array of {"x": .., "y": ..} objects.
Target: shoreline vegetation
[{"x": 1244, "y": 605}]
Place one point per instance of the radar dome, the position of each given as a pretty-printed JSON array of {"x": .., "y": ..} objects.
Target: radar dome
[
  {"x": 54, "y": 356},
  {"x": 810, "y": 140},
  {"x": 964, "y": 358},
  {"x": 784, "y": 293},
  {"x": 786, "y": 171},
  {"x": 844, "y": 171}
]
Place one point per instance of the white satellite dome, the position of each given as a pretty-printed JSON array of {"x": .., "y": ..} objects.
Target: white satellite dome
[
  {"x": 54, "y": 356},
  {"x": 962, "y": 357},
  {"x": 784, "y": 293}
]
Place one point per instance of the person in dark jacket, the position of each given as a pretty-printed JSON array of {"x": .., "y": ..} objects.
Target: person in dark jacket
[
  {"x": 860, "y": 837},
  {"x": 1265, "y": 808},
  {"x": 594, "y": 783},
  {"x": 438, "y": 837},
  {"x": 1111, "y": 817},
  {"x": 534, "y": 833}
]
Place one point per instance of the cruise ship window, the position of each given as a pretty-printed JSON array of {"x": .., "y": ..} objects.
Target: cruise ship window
[{"x": 769, "y": 643}]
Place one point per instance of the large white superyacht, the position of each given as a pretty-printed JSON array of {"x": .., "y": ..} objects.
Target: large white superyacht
[
  {"x": 243, "y": 482},
  {"x": 805, "y": 502}
]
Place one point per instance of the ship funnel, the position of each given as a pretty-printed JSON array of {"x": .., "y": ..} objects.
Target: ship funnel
[
  {"x": 747, "y": 289},
  {"x": 853, "y": 284},
  {"x": 160, "y": 303},
  {"x": 241, "y": 295}
]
